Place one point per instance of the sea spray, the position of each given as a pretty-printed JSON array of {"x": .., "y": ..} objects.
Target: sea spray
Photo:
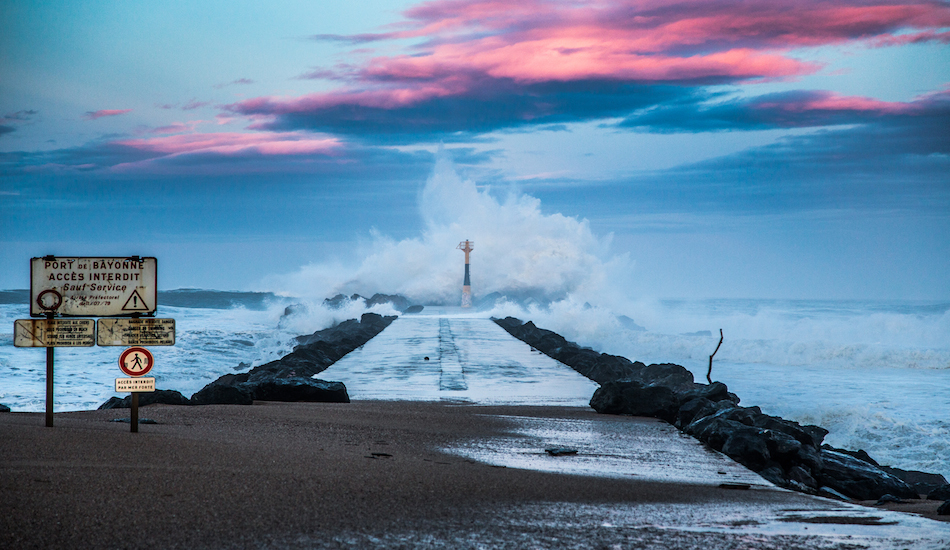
[{"x": 519, "y": 251}]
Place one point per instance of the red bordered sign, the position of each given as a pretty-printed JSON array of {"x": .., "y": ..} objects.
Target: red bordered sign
[{"x": 136, "y": 361}]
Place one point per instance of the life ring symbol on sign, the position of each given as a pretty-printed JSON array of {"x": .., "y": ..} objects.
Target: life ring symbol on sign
[
  {"x": 136, "y": 361},
  {"x": 49, "y": 300}
]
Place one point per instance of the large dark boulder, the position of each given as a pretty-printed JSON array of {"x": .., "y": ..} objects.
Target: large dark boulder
[
  {"x": 748, "y": 446},
  {"x": 167, "y": 397},
  {"x": 700, "y": 407},
  {"x": 801, "y": 479},
  {"x": 714, "y": 430},
  {"x": 299, "y": 389},
  {"x": 860, "y": 454},
  {"x": 858, "y": 479},
  {"x": 690, "y": 411},
  {"x": 810, "y": 458},
  {"x": 670, "y": 375},
  {"x": 703, "y": 400},
  {"x": 717, "y": 391},
  {"x": 939, "y": 493},
  {"x": 633, "y": 398},
  {"x": 221, "y": 394},
  {"x": 922, "y": 482},
  {"x": 806, "y": 435},
  {"x": 4, "y": 408}
]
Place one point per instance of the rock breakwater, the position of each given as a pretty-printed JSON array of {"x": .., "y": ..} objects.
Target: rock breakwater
[{"x": 782, "y": 451}]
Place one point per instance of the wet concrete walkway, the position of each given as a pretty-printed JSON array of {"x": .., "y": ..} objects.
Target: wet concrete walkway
[{"x": 452, "y": 354}]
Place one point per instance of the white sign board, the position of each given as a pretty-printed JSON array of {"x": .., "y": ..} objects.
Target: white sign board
[
  {"x": 136, "y": 332},
  {"x": 54, "y": 333},
  {"x": 129, "y": 385},
  {"x": 93, "y": 287}
]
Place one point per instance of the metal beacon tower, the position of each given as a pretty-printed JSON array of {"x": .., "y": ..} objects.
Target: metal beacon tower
[{"x": 467, "y": 247}]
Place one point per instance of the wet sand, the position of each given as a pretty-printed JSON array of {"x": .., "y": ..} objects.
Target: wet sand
[{"x": 374, "y": 474}]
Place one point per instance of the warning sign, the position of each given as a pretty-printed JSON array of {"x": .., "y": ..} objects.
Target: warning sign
[
  {"x": 136, "y": 332},
  {"x": 54, "y": 333},
  {"x": 136, "y": 361},
  {"x": 135, "y": 302},
  {"x": 92, "y": 287},
  {"x": 129, "y": 385}
]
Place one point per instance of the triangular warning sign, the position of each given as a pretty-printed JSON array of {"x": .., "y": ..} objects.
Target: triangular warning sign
[{"x": 135, "y": 303}]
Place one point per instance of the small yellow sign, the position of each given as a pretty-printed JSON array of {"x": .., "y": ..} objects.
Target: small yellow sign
[
  {"x": 137, "y": 384},
  {"x": 54, "y": 333},
  {"x": 136, "y": 332}
]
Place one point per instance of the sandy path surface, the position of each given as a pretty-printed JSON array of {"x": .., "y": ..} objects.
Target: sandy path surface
[{"x": 374, "y": 474}]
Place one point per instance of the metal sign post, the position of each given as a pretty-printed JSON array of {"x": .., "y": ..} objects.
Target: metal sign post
[
  {"x": 49, "y": 384},
  {"x": 134, "y": 421},
  {"x": 135, "y": 361}
]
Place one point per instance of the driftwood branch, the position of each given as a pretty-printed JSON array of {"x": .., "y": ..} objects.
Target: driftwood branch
[{"x": 709, "y": 372}]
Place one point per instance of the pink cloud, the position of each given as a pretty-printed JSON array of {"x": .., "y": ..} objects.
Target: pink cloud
[
  {"x": 234, "y": 143},
  {"x": 194, "y": 104},
  {"x": 174, "y": 128},
  {"x": 476, "y": 49},
  {"x": 217, "y": 152},
  {"x": 912, "y": 38},
  {"x": 239, "y": 82},
  {"x": 794, "y": 109},
  {"x": 830, "y": 101},
  {"x": 93, "y": 115},
  {"x": 630, "y": 40}
]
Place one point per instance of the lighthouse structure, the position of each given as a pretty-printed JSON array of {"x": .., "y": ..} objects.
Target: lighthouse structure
[{"x": 467, "y": 247}]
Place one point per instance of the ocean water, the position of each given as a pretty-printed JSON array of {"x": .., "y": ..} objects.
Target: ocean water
[{"x": 874, "y": 373}]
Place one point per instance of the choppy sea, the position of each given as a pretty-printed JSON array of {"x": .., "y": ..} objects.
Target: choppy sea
[{"x": 874, "y": 373}]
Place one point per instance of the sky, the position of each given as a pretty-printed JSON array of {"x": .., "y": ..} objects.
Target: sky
[{"x": 736, "y": 149}]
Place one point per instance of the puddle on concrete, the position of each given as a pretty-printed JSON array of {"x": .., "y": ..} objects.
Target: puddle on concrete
[
  {"x": 748, "y": 524},
  {"x": 619, "y": 447}
]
